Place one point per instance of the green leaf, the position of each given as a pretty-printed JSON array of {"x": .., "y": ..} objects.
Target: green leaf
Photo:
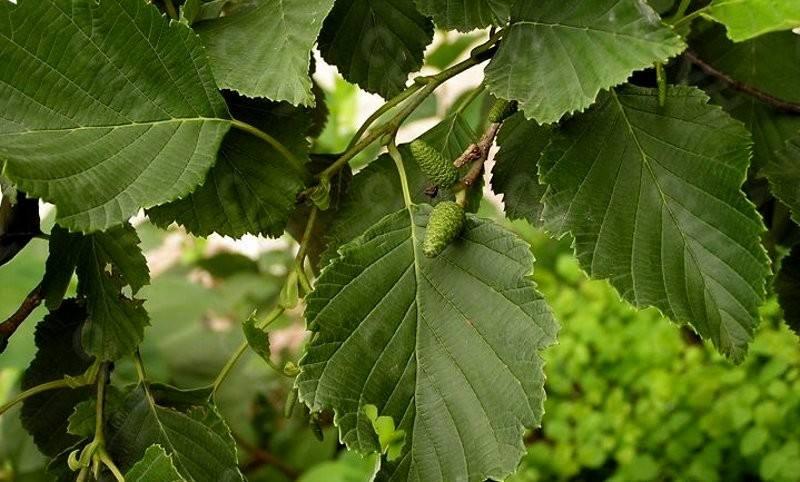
[
  {"x": 746, "y": 19},
  {"x": 82, "y": 422},
  {"x": 652, "y": 197},
  {"x": 106, "y": 263},
  {"x": 556, "y": 57},
  {"x": 465, "y": 15},
  {"x": 762, "y": 63},
  {"x": 263, "y": 49},
  {"x": 253, "y": 187},
  {"x": 787, "y": 286},
  {"x": 516, "y": 171},
  {"x": 257, "y": 339},
  {"x": 45, "y": 416},
  {"x": 125, "y": 131},
  {"x": 155, "y": 466},
  {"x": 196, "y": 437},
  {"x": 448, "y": 347},
  {"x": 390, "y": 439},
  {"x": 376, "y": 43},
  {"x": 784, "y": 177},
  {"x": 375, "y": 191}
]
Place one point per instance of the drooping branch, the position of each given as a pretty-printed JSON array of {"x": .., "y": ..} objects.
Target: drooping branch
[
  {"x": 477, "y": 154},
  {"x": 769, "y": 99},
  {"x": 10, "y": 326}
]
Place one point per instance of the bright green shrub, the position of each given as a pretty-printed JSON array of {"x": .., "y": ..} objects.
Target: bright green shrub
[{"x": 631, "y": 398}]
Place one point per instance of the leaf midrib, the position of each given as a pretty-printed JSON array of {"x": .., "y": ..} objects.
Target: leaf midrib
[{"x": 686, "y": 244}]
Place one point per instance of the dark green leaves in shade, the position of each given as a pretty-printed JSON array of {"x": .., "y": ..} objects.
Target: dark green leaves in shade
[
  {"x": 376, "y": 43},
  {"x": 252, "y": 188},
  {"x": 787, "y": 286},
  {"x": 263, "y": 49},
  {"x": 155, "y": 466},
  {"x": 754, "y": 63},
  {"x": 188, "y": 429},
  {"x": 516, "y": 171},
  {"x": 784, "y": 176},
  {"x": 19, "y": 223},
  {"x": 652, "y": 197},
  {"x": 45, "y": 416},
  {"x": 106, "y": 264},
  {"x": 107, "y": 107},
  {"x": 556, "y": 56},
  {"x": 465, "y": 15},
  {"x": 447, "y": 347},
  {"x": 746, "y": 19}
]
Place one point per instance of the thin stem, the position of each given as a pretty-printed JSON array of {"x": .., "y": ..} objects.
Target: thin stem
[
  {"x": 688, "y": 18},
  {"x": 171, "y": 10},
  {"x": 44, "y": 387},
  {"x": 234, "y": 359},
  {"x": 275, "y": 143},
  {"x": 748, "y": 89},
  {"x": 139, "y": 364},
  {"x": 391, "y": 104},
  {"x": 430, "y": 84},
  {"x": 307, "y": 235},
  {"x": 102, "y": 378},
  {"x": 30, "y": 303},
  {"x": 401, "y": 169},
  {"x": 681, "y": 11}
]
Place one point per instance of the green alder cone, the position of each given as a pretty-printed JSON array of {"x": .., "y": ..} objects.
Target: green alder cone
[
  {"x": 501, "y": 110},
  {"x": 433, "y": 164},
  {"x": 445, "y": 224}
]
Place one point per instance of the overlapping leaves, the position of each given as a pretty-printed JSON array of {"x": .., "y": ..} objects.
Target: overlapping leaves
[
  {"x": 253, "y": 187},
  {"x": 746, "y": 19},
  {"x": 106, "y": 263},
  {"x": 187, "y": 428},
  {"x": 658, "y": 209},
  {"x": 447, "y": 347},
  {"x": 466, "y": 15},
  {"x": 263, "y": 48},
  {"x": 557, "y": 56},
  {"x": 106, "y": 107},
  {"x": 376, "y": 43}
]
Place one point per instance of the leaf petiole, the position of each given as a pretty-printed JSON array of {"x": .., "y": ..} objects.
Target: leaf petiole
[{"x": 275, "y": 143}]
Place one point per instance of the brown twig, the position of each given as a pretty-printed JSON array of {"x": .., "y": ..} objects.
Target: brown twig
[
  {"x": 31, "y": 302},
  {"x": 260, "y": 457},
  {"x": 477, "y": 154},
  {"x": 748, "y": 89}
]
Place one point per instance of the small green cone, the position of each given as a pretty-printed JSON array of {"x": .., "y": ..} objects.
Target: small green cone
[
  {"x": 501, "y": 110},
  {"x": 433, "y": 164},
  {"x": 444, "y": 225}
]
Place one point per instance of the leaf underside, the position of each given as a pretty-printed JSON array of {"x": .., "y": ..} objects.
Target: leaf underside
[
  {"x": 460, "y": 374},
  {"x": 93, "y": 129},
  {"x": 557, "y": 56},
  {"x": 746, "y": 19},
  {"x": 252, "y": 188},
  {"x": 265, "y": 50},
  {"x": 784, "y": 176},
  {"x": 466, "y": 15},
  {"x": 652, "y": 198},
  {"x": 155, "y": 466},
  {"x": 192, "y": 434}
]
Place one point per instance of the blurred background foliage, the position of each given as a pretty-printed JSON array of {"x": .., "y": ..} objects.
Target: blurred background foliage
[{"x": 631, "y": 397}]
